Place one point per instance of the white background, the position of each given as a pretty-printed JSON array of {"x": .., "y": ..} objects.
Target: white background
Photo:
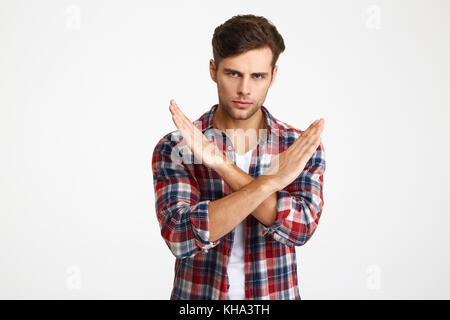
[{"x": 84, "y": 95}]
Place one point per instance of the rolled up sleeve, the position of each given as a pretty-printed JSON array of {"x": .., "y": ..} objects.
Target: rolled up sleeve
[
  {"x": 300, "y": 204},
  {"x": 182, "y": 217}
]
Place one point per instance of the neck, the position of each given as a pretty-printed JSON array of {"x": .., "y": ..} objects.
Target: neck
[{"x": 242, "y": 142}]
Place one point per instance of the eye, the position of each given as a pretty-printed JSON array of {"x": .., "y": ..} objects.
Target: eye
[{"x": 256, "y": 75}]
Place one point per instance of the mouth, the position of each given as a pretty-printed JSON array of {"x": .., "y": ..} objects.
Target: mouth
[{"x": 242, "y": 104}]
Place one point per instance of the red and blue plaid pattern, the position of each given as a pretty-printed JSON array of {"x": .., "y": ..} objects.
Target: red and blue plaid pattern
[{"x": 183, "y": 190}]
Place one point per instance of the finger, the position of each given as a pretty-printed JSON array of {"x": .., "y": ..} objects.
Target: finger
[
  {"x": 172, "y": 104},
  {"x": 187, "y": 127},
  {"x": 190, "y": 129},
  {"x": 180, "y": 114},
  {"x": 182, "y": 126},
  {"x": 321, "y": 122},
  {"x": 311, "y": 129},
  {"x": 173, "y": 107},
  {"x": 312, "y": 126},
  {"x": 318, "y": 126},
  {"x": 176, "y": 121},
  {"x": 176, "y": 111}
]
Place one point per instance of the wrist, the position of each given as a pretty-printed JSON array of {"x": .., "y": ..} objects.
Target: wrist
[
  {"x": 223, "y": 167},
  {"x": 268, "y": 183}
]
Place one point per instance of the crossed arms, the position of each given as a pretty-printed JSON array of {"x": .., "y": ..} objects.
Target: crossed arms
[{"x": 289, "y": 212}]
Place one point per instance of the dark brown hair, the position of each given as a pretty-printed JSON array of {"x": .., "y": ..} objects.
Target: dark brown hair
[{"x": 246, "y": 32}]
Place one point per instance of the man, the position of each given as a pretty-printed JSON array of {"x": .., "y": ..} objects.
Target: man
[{"x": 232, "y": 206}]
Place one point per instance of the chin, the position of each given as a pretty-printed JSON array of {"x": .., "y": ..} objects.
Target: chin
[{"x": 244, "y": 114}]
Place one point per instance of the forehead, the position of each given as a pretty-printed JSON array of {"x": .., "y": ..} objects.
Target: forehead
[{"x": 255, "y": 60}]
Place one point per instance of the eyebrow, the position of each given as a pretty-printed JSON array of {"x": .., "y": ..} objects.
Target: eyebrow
[{"x": 254, "y": 73}]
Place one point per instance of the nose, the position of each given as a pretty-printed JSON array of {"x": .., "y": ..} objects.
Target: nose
[{"x": 244, "y": 87}]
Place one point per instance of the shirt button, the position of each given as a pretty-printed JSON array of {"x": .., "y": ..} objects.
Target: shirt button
[{"x": 230, "y": 148}]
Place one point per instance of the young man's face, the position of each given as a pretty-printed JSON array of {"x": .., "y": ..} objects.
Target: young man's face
[{"x": 245, "y": 77}]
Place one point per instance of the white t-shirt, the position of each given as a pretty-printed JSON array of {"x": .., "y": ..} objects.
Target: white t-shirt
[{"x": 236, "y": 263}]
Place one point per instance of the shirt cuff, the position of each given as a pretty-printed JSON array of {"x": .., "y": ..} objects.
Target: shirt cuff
[
  {"x": 199, "y": 218},
  {"x": 285, "y": 210}
]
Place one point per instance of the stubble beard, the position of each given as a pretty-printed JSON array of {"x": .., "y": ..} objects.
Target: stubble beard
[{"x": 239, "y": 114}]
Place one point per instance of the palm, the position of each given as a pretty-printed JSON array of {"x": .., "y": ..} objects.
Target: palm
[
  {"x": 287, "y": 165},
  {"x": 204, "y": 150}
]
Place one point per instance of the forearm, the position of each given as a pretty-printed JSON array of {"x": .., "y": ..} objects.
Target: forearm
[
  {"x": 266, "y": 211},
  {"x": 227, "y": 212},
  {"x": 236, "y": 178}
]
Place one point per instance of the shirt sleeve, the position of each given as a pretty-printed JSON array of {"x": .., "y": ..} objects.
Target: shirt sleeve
[
  {"x": 182, "y": 217},
  {"x": 300, "y": 204}
]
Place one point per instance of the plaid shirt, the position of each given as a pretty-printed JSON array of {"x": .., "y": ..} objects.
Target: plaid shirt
[{"x": 183, "y": 190}]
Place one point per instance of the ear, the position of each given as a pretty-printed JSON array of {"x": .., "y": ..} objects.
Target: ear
[
  {"x": 274, "y": 74},
  {"x": 212, "y": 70}
]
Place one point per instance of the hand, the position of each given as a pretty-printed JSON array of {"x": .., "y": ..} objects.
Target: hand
[
  {"x": 287, "y": 166},
  {"x": 203, "y": 149}
]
